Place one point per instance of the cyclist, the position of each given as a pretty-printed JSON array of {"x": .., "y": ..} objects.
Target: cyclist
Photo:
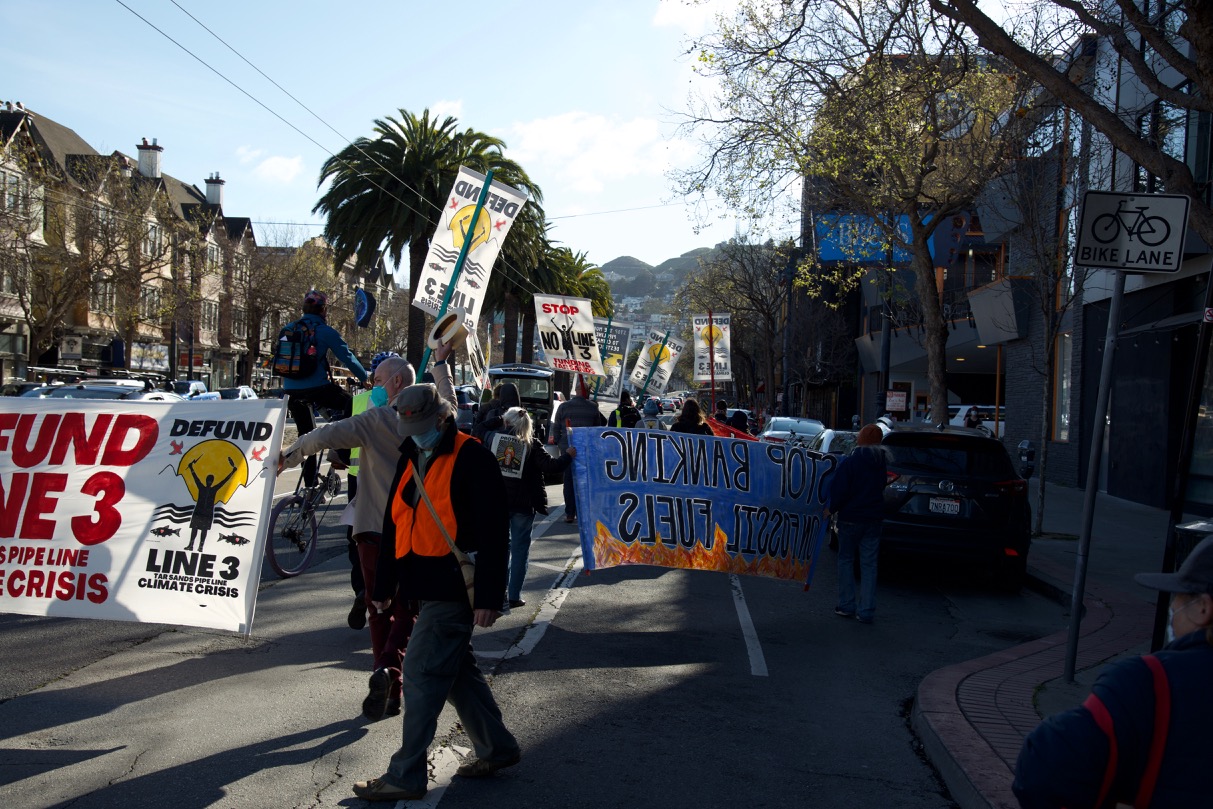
[{"x": 319, "y": 389}]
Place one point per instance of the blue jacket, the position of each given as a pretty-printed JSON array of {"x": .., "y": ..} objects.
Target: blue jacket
[
  {"x": 327, "y": 339},
  {"x": 1063, "y": 760},
  {"x": 857, "y": 486}
]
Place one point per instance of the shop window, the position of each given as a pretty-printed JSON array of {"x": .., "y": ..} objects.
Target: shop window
[{"x": 1062, "y": 388}]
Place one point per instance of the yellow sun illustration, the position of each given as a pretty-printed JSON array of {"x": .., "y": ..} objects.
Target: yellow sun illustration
[{"x": 461, "y": 226}]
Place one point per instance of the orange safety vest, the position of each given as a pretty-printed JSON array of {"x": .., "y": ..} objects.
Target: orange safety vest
[{"x": 416, "y": 529}]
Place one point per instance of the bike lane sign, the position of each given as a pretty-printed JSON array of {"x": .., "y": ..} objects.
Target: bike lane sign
[{"x": 1132, "y": 232}]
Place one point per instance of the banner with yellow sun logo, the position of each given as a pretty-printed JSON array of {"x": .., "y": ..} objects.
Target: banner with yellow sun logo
[
  {"x": 658, "y": 357},
  {"x": 141, "y": 511},
  {"x": 712, "y": 348},
  {"x": 682, "y": 500},
  {"x": 612, "y": 337},
  {"x": 486, "y": 235}
]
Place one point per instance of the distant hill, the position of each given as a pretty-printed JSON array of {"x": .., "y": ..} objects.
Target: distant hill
[{"x": 626, "y": 266}]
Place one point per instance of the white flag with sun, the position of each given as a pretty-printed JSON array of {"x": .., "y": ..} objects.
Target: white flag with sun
[{"x": 712, "y": 348}]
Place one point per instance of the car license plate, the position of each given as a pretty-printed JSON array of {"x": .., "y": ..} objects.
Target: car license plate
[{"x": 944, "y": 505}]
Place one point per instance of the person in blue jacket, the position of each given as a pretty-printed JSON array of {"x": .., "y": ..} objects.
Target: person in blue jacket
[
  {"x": 319, "y": 389},
  {"x": 856, "y": 495},
  {"x": 1141, "y": 737}
]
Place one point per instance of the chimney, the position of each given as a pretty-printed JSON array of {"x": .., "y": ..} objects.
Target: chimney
[
  {"x": 214, "y": 190},
  {"x": 149, "y": 158}
]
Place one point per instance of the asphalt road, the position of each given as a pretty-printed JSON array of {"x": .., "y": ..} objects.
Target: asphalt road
[{"x": 632, "y": 686}]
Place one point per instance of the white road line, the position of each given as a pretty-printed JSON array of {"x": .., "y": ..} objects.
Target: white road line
[
  {"x": 539, "y": 624},
  {"x": 443, "y": 763},
  {"x": 758, "y": 663}
]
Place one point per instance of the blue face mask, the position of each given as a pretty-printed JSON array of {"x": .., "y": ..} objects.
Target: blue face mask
[
  {"x": 428, "y": 439},
  {"x": 378, "y": 396}
]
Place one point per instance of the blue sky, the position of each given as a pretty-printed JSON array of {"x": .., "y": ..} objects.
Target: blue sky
[{"x": 585, "y": 94}]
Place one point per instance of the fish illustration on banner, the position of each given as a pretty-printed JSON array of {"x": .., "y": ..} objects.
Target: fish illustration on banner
[
  {"x": 484, "y": 236},
  {"x": 150, "y": 516},
  {"x": 566, "y": 332},
  {"x": 683, "y": 500},
  {"x": 712, "y": 347},
  {"x": 662, "y": 358},
  {"x": 612, "y": 346}
]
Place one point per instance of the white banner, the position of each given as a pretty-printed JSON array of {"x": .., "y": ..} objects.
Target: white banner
[
  {"x": 613, "y": 347},
  {"x": 654, "y": 354},
  {"x": 501, "y": 207},
  {"x": 566, "y": 332},
  {"x": 142, "y": 512},
  {"x": 712, "y": 347}
]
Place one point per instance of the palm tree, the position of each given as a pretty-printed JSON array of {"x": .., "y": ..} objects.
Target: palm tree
[
  {"x": 387, "y": 192},
  {"x": 517, "y": 275}
]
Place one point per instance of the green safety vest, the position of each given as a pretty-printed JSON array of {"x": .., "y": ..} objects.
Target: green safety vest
[{"x": 361, "y": 401}]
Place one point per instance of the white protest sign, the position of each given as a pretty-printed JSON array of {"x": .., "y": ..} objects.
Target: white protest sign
[
  {"x": 500, "y": 210},
  {"x": 712, "y": 338},
  {"x": 660, "y": 358},
  {"x": 143, "y": 512},
  {"x": 566, "y": 332}
]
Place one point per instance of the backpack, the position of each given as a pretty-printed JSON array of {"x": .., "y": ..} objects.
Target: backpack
[
  {"x": 296, "y": 355},
  {"x": 625, "y": 417}
]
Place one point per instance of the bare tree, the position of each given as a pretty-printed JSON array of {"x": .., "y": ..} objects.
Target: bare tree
[{"x": 883, "y": 104}]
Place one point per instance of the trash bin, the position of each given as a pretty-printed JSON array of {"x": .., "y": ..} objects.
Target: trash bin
[{"x": 1188, "y": 536}]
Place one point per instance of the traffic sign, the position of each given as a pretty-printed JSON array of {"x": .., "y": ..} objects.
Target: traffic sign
[{"x": 1132, "y": 232}]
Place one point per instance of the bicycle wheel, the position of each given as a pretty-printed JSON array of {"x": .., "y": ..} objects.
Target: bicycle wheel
[
  {"x": 291, "y": 545},
  {"x": 1153, "y": 231},
  {"x": 1105, "y": 228}
]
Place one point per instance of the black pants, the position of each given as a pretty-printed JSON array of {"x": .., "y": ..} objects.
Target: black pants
[{"x": 329, "y": 396}]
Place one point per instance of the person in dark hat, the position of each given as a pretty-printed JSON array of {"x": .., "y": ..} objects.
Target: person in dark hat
[
  {"x": 578, "y": 411},
  {"x": 446, "y": 504},
  {"x": 626, "y": 415},
  {"x": 1142, "y": 736}
]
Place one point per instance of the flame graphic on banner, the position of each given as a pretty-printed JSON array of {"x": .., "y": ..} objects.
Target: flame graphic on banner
[{"x": 609, "y": 552}]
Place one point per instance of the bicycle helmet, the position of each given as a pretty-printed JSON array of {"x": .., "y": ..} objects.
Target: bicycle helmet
[{"x": 380, "y": 357}]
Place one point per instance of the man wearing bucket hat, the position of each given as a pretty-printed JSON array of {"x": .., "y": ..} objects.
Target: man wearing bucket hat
[
  {"x": 1142, "y": 736},
  {"x": 447, "y": 506}
]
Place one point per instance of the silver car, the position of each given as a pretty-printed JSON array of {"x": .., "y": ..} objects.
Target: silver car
[{"x": 783, "y": 429}]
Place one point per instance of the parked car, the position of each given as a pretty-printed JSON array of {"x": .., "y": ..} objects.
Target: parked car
[
  {"x": 18, "y": 387},
  {"x": 782, "y": 429},
  {"x": 957, "y": 413},
  {"x": 955, "y": 493},
  {"x": 469, "y": 403},
  {"x": 534, "y": 384},
  {"x": 126, "y": 392},
  {"x": 833, "y": 442},
  {"x": 238, "y": 392},
  {"x": 189, "y": 388}
]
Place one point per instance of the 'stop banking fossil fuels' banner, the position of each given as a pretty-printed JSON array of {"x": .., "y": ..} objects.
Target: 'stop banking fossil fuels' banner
[
  {"x": 653, "y": 497},
  {"x": 136, "y": 512}
]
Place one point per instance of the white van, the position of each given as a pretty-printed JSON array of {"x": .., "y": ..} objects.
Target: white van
[{"x": 957, "y": 413}]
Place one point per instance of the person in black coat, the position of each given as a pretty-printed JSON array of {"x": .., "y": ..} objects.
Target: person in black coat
[
  {"x": 526, "y": 494},
  {"x": 856, "y": 495},
  {"x": 690, "y": 420}
]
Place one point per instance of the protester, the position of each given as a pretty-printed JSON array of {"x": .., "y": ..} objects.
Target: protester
[
  {"x": 461, "y": 502},
  {"x": 578, "y": 411},
  {"x": 856, "y": 495},
  {"x": 505, "y": 396},
  {"x": 722, "y": 411},
  {"x": 373, "y": 432},
  {"x": 691, "y": 420},
  {"x": 487, "y": 407},
  {"x": 526, "y": 493},
  {"x": 652, "y": 406},
  {"x": 626, "y": 415},
  {"x": 1142, "y": 735},
  {"x": 740, "y": 421},
  {"x": 972, "y": 419},
  {"x": 319, "y": 388}
]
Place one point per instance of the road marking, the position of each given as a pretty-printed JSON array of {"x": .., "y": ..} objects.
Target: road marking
[
  {"x": 443, "y": 763},
  {"x": 758, "y": 663},
  {"x": 539, "y": 623}
]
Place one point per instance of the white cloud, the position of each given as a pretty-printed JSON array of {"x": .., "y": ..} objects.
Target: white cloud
[
  {"x": 585, "y": 151},
  {"x": 247, "y": 154},
  {"x": 441, "y": 109},
  {"x": 279, "y": 169}
]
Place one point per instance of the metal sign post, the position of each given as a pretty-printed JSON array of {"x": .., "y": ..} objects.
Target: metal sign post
[{"x": 1124, "y": 233}]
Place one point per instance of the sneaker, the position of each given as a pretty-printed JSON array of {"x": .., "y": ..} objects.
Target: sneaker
[
  {"x": 357, "y": 617},
  {"x": 515, "y": 603},
  {"x": 483, "y": 768},
  {"x": 570, "y": 518},
  {"x": 864, "y": 619},
  {"x": 839, "y": 611},
  {"x": 392, "y": 708},
  {"x": 375, "y": 704},
  {"x": 378, "y": 789}
]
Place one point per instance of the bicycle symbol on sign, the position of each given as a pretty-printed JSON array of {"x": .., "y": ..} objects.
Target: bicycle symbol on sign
[{"x": 1149, "y": 230}]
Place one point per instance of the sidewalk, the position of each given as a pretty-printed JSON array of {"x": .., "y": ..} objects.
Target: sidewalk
[{"x": 972, "y": 717}]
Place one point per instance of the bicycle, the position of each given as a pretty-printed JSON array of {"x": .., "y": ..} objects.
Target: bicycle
[
  {"x": 1106, "y": 227},
  {"x": 293, "y": 527}
]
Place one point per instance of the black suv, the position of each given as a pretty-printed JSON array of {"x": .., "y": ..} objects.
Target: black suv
[{"x": 954, "y": 492}]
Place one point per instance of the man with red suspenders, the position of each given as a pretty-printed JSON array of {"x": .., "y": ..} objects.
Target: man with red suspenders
[{"x": 1144, "y": 737}]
